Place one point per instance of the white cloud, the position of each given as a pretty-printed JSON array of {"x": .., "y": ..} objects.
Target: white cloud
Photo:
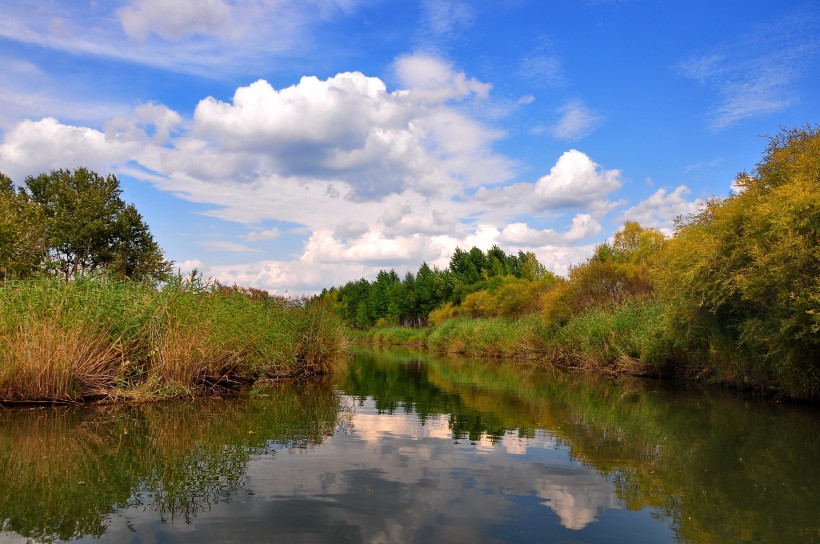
[
  {"x": 372, "y": 178},
  {"x": 660, "y": 210},
  {"x": 520, "y": 234},
  {"x": 185, "y": 35},
  {"x": 225, "y": 245},
  {"x": 576, "y": 182},
  {"x": 174, "y": 20},
  {"x": 431, "y": 79},
  {"x": 32, "y": 147},
  {"x": 756, "y": 75},
  {"x": 444, "y": 18},
  {"x": 148, "y": 122},
  {"x": 263, "y": 235},
  {"x": 576, "y": 121},
  {"x": 560, "y": 258}
]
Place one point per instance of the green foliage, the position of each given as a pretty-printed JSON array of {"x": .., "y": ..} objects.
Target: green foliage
[
  {"x": 475, "y": 284},
  {"x": 743, "y": 275},
  {"x": 89, "y": 228},
  {"x": 22, "y": 232},
  {"x": 629, "y": 338}
]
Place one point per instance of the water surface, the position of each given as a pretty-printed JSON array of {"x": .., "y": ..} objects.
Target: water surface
[{"x": 402, "y": 447}]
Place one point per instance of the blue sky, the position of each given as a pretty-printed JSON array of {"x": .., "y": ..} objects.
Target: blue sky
[{"x": 298, "y": 144}]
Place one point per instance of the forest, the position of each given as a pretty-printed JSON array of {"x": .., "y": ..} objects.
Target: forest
[{"x": 732, "y": 297}]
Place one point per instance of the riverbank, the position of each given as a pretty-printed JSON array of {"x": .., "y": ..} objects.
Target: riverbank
[
  {"x": 625, "y": 340},
  {"x": 100, "y": 339},
  {"x": 630, "y": 339}
]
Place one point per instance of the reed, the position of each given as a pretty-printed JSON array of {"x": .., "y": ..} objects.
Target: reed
[
  {"x": 97, "y": 338},
  {"x": 628, "y": 339}
]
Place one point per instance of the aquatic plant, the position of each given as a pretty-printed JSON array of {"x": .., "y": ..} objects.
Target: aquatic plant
[{"x": 97, "y": 337}]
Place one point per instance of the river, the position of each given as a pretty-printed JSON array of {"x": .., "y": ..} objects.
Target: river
[{"x": 407, "y": 447}]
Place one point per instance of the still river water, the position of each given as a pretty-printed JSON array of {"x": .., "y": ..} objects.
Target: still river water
[{"x": 402, "y": 447}]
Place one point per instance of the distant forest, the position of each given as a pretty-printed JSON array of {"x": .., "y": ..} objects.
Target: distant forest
[{"x": 736, "y": 288}]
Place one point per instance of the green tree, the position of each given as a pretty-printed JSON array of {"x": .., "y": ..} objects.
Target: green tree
[
  {"x": 22, "y": 231},
  {"x": 530, "y": 269},
  {"x": 90, "y": 228}
]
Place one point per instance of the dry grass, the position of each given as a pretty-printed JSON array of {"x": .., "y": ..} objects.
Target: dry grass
[
  {"x": 96, "y": 338},
  {"x": 43, "y": 360}
]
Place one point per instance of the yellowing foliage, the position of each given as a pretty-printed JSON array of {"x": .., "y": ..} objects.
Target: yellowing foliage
[{"x": 745, "y": 271}]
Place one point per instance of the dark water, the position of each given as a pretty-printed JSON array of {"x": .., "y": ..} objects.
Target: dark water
[{"x": 410, "y": 448}]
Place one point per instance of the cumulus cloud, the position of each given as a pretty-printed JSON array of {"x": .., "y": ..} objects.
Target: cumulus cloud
[
  {"x": 349, "y": 129},
  {"x": 32, "y": 147},
  {"x": 576, "y": 182},
  {"x": 576, "y": 122},
  {"x": 522, "y": 235},
  {"x": 371, "y": 178},
  {"x": 660, "y": 210}
]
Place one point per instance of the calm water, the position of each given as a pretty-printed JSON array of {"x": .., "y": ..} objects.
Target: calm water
[{"x": 402, "y": 447}]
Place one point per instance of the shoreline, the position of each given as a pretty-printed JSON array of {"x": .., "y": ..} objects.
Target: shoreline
[
  {"x": 97, "y": 338},
  {"x": 528, "y": 341}
]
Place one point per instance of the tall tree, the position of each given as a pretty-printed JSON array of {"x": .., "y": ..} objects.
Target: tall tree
[
  {"x": 89, "y": 227},
  {"x": 22, "y": 231}
]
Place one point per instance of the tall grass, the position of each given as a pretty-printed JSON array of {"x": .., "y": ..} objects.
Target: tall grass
[
  {"x": 627, "y": 339},
  {"x": 101, "y": 338},
  {"x": 395, "y": 336}
]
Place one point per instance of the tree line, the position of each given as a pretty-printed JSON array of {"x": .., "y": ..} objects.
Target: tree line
[
  {"x": 738, "y": 283},
  {"x": 410, "y": 300},
  {"x": 73, "y": 222}
]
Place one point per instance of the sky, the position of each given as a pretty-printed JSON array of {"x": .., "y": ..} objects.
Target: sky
[{"x": 293, "y": 145}]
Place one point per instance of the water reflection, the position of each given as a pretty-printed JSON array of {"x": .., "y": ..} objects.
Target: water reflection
[{"x": 409, "y": 448}]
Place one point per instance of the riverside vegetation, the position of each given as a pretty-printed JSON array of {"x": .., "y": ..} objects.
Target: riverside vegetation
[
  {"x": 733, "y": 297},
  {"x": 89, "y": 309}
]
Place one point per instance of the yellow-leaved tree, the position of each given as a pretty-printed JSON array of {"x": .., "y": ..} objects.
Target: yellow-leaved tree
[{"x": 742, "y": 277}]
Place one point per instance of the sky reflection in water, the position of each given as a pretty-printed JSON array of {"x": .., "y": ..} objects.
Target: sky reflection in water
[
  {"x": 411, "y": 448},
  {"x": 387, "y": 478}
]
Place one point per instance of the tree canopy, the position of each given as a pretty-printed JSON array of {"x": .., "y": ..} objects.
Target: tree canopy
[
  {"x": 746, "y": 269},
  {"x": 74, "y": 222}
]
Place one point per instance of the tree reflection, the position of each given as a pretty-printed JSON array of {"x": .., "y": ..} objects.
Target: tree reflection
[{"x": 64, "y": 471}]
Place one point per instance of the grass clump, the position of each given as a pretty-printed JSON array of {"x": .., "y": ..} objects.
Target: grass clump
[
  {"x": 397, "y": 336},
  {"x": 625, "y": 339},
  {"x": 96, "y": 338},
  {"x": 491, "y": 337}
]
